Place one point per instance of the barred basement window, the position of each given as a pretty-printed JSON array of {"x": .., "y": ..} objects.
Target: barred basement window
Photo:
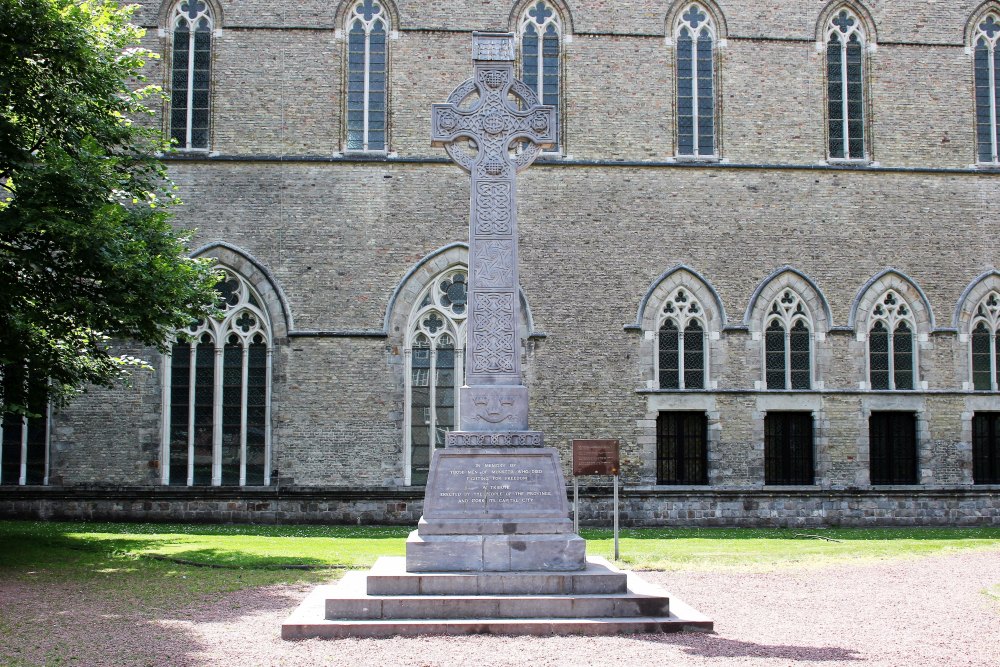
[
  {"x": 987, "y": 64},
  {"x": 986, "y": 344},
  {"x": 893, "y": 447},
  {"x": 695, "y": 37},
  {"x": 367, "y": 73},
  {"x": 890, "y": 344},
  {"x": 217, "y": 426},
  {"x": 787, "y": 336},
  {"x": 681, "y": 345},
  {"x": 986, "y": 448},
  {"x": 682, "y": 448},
  {"x": 845, "y": 43},
  {"x": 436, "y": 368},
  {"x": 191, "y": 75},
  {"x": 24, "y": 441},
  {"x": 788, "y": 448},
  {"x": 541, "y": 31}
]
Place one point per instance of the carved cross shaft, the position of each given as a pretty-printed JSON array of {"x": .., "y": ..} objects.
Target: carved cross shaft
[{"x": 493, "y": 127}]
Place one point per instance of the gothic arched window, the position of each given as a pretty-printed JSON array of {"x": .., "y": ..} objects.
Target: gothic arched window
[
  {"x": 218, "y": 374},
  {"x": 986, "y": 344},
  {"x": 695, "y": 35},
  {"x": 681, "y": 347},
  {"x": 367, "y": 76},
  {"x": 540, "y": 31},
  {"x": 191, "y": 70},
  {"x": 436, "y": 368},
  {"x": 787, "y": 336},
  {"x": 890, "y": 344},
  {"x": 987, "y": 65},
  {"x": 845, "y": 47}
]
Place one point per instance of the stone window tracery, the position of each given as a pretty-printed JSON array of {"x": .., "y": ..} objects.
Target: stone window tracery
[
  {"x": 985, "y": 347},
  {"x": 987, "y": 64},
  {"x": 435, "y": 368},
  {"x": 540, "y": 32},
  {"x": 696, "y": 39},
  {"x": 681, "y": 358},
  {"x": 217, "y": 404},
  {"x": 890, "y": 343},
  {"x": 845, "y": 47},
  {"x": 788, "y": 343},
  {"x": 191, "y": 70},
  {"x": 367, "y": 75}
]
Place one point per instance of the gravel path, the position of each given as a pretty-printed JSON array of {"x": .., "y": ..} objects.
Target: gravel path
[{"x": 929, "y": 611}]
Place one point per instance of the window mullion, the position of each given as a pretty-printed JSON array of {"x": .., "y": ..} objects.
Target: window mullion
[
  {"x": 367, "y": 93},
  {"x": 190, "y": 88},
  {"x": 243, "y": 414},
  {"x": 217, "y": 416},
  {"x": 993, "y": 101},
  {"x": 458, "y": 377},
  {"x": 695, "y": 119},
  {"x": 680, "y": 359},
  {"x": 788, "y": 356},
  {"x": 891, "y": 357},
  {"x": 540, "y": 65},
  {"x": 191, "y": 409},
  {"x": 432, "y": 392},
  {"x": 845, "y": 133},
  {"x": 993, "y": 360}
]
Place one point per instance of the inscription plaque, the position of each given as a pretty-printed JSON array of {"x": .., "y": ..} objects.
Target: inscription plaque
[{"x": 595, "y": 457}]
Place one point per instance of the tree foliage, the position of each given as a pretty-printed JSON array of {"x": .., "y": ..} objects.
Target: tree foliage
[{"x": 87, "y": 251}]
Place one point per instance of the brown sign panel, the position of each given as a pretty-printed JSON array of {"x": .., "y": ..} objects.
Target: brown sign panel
[{"x": 595, "y": 457}]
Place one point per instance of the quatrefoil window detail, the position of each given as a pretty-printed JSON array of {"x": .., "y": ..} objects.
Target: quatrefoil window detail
[
  {"x": 990, "y": 26},
  {"x": 193, "y": 8},
  {"x": 541, "y": 13},
  {"x": 433, "y": 323},
  {"x": 245, "y": 322},
  {"x": 694, "y": 16},
  {"x": 844, "y": 21},
  {"x": 455, "y": 293}
]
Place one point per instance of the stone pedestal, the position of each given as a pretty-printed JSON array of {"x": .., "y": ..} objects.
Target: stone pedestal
[{"x": 495, "y": 509}]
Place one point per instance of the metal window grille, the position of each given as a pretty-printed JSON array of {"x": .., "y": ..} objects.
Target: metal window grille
[
  {"x": 893, "y": 447},
  {"x": 798, "y": 343},
  {"x": 902, "y": 356},
  {"x": 878, "y": 356},
  {"x": 682, "y": 448},
  {"x": 191, "y": 75},
  {"x": 669, "y": 356},
  {"x": 986, "y": 448},
  {"x": 23, "y": 440},
  {"x": 986, "y": 64},
  {"x": 774, "y": 355},
  {"x": 694, "y": 356},
  {"x": 788, "y": 448},
  {"x": 367, "y": 75},
  {"x": 845, "y": 87},
  {"x": 981, "y": 358}
]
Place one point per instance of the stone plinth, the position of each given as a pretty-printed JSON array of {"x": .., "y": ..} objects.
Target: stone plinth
[{"x": 495, "y": 509}]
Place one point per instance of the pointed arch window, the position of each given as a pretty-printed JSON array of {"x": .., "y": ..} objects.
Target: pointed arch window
[
  {"x": 987, "y": 65},
  {"x": 681, "y": 345},
  {"x": 367, "y": 76},
  {"x": 787, "y": 343},
  {"x": 435, "y": 368},
  {"x": 540, "y": 34},
  {"x": 191, "y": 71},
  {"x": 986, "y": 344},
  {"x": 890, "y": 344},
  {"x": 845, "y": 47},
  {"x": 217, "y": 427},
  {"x": 695, "y": 36}
]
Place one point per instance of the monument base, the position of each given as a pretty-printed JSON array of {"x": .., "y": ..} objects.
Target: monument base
[{"x": 495, "y": 509}]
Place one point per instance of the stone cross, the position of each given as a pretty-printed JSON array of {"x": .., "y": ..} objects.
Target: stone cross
[{"x": 493, "y": 127}]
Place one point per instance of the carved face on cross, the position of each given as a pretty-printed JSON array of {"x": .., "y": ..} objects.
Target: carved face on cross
[{"x": 506, "y": 116}]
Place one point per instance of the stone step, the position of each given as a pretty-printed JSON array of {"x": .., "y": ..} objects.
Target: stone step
[
  {"x": 389, "y": 577},
  {"x": 351, "y": 603}
]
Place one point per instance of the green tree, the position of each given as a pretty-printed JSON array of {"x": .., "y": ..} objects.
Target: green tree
[{"x": 87, "y": 251}]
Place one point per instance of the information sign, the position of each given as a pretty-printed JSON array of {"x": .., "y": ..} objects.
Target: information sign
[{"x": 595, "y": 457}]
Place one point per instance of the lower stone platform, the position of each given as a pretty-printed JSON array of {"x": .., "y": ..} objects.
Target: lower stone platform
[{"x": 388, "y": 600}]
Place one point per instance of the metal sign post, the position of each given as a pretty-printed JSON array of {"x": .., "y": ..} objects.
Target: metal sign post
[{"x": 595, "y": 457}]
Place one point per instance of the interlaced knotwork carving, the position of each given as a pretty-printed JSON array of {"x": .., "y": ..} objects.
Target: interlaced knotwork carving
[
  {"x": 493, "y": 333},
  {"x": 495, "y": 263}
]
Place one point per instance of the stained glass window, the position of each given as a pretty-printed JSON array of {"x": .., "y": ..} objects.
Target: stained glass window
[
  {"x": 788, "y": 448},
  {"x": 367, "y": 76},
  {"x": 787, "y": 343},
  {"x": 218, "y": 384},
  {"x": 541, "y": 32},
  {"x": 682, "y": 448},
  {"x": 986, "y": 448},
  {"x": 24, "y": 440},
  {"x": 986, "y": 344},
  {"x": 681, "y": 346},
  {"x": 436, "y": 367},
  {"x": 986, "y": 65},
  {"x": 890, "y": 344},
  {"x": 190, "y": 83},
  {"x": 695, "y": 35},
  {"x": 845, "y": 44},
  {"x": 892, "y": 438}
]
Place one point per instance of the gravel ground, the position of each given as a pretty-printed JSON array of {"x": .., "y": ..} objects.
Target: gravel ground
[{"x": 930, "y": 611}]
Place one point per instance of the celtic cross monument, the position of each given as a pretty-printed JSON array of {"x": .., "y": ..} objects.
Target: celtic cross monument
[{"x": 495, "y": 499}]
